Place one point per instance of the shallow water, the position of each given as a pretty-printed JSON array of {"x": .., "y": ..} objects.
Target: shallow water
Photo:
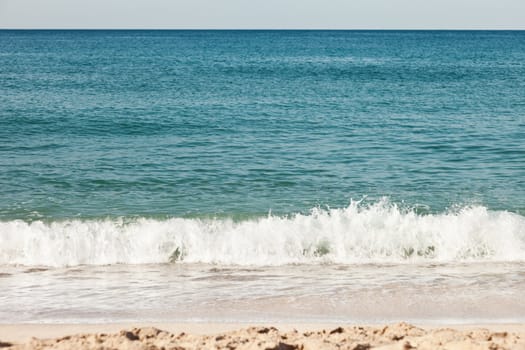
[{"x": 457, "y": 293}]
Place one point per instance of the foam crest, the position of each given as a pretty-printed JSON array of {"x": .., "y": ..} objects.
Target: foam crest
[{"x": 378, "y": 233}]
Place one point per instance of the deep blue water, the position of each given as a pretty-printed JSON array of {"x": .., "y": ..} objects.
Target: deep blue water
[{"x": 238, "y": 123}]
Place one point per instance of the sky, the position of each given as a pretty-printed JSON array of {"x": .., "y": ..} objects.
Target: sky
[{"x": 263, "y": 14}]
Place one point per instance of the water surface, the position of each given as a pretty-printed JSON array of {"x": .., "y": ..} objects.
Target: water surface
[{"x": 316, "y": 176}]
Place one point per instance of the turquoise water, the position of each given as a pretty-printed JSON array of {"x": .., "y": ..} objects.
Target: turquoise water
[
  {"x": 184, "y": 123},
  {"x": 157, "y": 142}
]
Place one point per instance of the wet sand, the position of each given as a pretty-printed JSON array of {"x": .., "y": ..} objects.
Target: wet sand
[{"x": 282, "y": 336}]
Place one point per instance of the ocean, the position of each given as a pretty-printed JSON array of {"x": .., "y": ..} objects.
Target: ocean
[{"x": 250, "y": 176}]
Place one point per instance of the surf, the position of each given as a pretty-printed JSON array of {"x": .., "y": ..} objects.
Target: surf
[{"x": 381, "y": 232}]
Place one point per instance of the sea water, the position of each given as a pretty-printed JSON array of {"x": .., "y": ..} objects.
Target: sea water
[{"x": 262, "y": 176}]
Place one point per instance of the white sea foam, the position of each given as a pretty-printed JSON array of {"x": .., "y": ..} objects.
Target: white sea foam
[{"x": 354, "y": 235}]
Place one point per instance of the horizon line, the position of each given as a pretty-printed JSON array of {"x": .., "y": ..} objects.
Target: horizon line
[{"x": 276, "y": 29}]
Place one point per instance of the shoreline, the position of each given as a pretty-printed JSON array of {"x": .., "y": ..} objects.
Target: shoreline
[{"x": 468, "y": 336}]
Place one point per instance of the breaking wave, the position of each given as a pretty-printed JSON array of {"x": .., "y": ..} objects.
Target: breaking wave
[{"x": 358, "y": 234}]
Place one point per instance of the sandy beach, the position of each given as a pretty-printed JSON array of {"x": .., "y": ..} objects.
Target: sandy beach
[{"x": 238, "y": 336}]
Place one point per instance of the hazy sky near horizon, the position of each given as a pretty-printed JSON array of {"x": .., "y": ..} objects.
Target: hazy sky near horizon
[{"x": 271, "y": 14}]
